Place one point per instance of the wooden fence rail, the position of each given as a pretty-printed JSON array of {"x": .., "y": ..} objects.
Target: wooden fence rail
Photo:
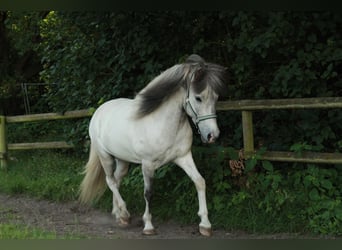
[
  {"x": 295, "y": 103},
  {"x": 50, "y": 116},
  {"x": 245, "y": 106}
]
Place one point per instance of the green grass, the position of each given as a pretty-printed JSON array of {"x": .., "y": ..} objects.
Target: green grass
[
  {"x": 13, "y": 231},
  {"x": 51, "y": 175}
]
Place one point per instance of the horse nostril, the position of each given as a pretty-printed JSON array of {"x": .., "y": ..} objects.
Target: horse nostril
[{"x": 210, "y": 136}]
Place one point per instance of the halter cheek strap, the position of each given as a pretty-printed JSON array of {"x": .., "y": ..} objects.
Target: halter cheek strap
[{"x": 197, "y": 118}]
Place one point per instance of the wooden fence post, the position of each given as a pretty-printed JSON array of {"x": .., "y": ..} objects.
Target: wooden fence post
[
  {"x": 247, "y": 129},
  {"x": 3, "y": 143}
]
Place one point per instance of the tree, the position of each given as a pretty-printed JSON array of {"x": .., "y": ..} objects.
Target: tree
[{"x": 19, "y": 62}]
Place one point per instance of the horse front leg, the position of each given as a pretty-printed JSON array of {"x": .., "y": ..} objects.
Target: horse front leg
[{"x": 187, "y": 164}]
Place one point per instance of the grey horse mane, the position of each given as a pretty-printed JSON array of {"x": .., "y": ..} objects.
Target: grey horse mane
[{"x": 194, "y": 71}]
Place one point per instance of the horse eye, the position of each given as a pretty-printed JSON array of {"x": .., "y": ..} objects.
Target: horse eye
[{"x": 198, "y": 99}]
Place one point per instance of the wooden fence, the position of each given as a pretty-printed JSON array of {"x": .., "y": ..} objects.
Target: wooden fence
[
  {"x": 245, "y": 106},
  {"x": 248, "y": 106},
  {"x": 4, "y": 120}
]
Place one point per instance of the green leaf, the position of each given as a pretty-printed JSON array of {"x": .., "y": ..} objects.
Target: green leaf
[
  {"x": 338, "y": 213},
  {"x": 250, "y": 164},
  {"x": 232, "y": 153},
  {"x": 307, "y": 180},
  {"x": 92, "y": 110},
  {"x": 297, "y": 147},
  {"x": 314, "y": 195},
  {"x": 326, "y": 184},
  {"x": 267, "y": 165},
  {"x": 260, "y": 152}
]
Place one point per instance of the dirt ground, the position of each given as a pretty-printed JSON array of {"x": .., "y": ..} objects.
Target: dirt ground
[{"x": 70, "y": 217}]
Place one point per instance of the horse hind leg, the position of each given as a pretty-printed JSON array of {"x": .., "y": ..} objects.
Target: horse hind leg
[
  {"x": 120, "y": 170},
  {"x": 119, "y": 205},
  {"x": 121, "y": 213},
  {"x": 148, "y": 173}
]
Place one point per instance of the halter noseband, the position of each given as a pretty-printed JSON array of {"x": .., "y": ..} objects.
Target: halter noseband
[{"x": 198, "y": 118}]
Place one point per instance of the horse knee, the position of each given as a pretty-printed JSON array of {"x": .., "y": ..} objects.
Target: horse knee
[
  {"x": 111, "y": 183},
  {"x": 148, "y": 195},
  {"x": 200, "y": 183}
]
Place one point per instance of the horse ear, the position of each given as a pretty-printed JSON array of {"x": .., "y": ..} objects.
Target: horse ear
[
  {"x": 195, "y": 59},
  {"x": 199, "y": 74},
  {"x": 198, "y": 63}
]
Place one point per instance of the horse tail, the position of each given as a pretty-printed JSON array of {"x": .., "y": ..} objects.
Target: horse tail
[{"x": 94, "y": 181}]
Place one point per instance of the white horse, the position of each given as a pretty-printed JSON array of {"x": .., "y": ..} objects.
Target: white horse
[{"x": 152, "y": 129}]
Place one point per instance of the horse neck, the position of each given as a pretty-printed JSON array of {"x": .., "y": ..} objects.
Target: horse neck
[{"x": 172, "y": 113}]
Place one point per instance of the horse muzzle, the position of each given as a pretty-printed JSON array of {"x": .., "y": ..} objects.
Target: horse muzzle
[{"x": 210, "y": 137}]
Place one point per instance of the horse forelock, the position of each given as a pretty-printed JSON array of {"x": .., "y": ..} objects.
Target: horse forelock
[{"x": 212, "y": 75}]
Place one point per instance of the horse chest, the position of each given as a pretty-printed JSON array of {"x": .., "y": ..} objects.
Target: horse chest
[{"x": 161, "y": 150}]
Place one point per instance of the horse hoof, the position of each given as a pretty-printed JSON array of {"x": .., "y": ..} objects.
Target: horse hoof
[
  {"x": 123, "y": 222},
  {"x": 149, "y": 232},
  {"x": 205, "y": 231}
]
